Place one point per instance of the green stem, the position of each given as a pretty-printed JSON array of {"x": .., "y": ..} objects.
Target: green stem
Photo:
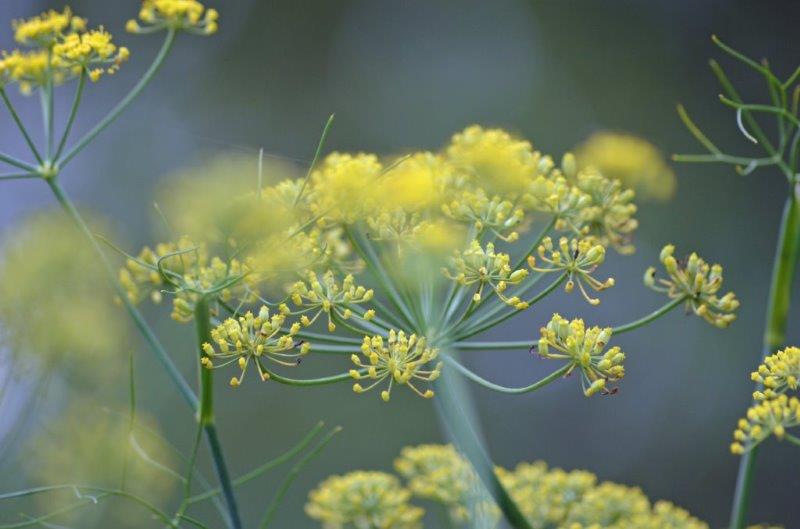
[
  {"x": 147, "y": 333},
  {"x": 127, "y": 100},
  {"x": 323, "y": 381},
  {"x": 72, "y": 113},
  {"x": 20, "y": 125},
  {"x": 555, "y": 375},
  {"x": 792, "y": 439},
  {"x": 10, "y": 160},
  {"x": 774, "y": 335},
  {"x": 644, "y": 320},
  {"x": 202, "y": 319}
]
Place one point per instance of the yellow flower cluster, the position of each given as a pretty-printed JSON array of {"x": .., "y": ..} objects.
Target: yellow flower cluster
[
  {"x": 633, "y": 161},
  {"x": 63, "y": 49},
  {"x": 583, "y": 349},
  {"x": 155, "y": 269},
  {"x": 184, "y": 15},
  {"x": 548, "y": 498},
  {"x": 324, "y": 294},
  {"x": 368, "y": 500},
  {"x": 249, "y": 339},
  {"x": 439, "y": 473},
  {"x": 697, "y": 282},
  {"x": 578, "y": 258},
  {"x": 769, "y": 417},
  {"x": 778, "y": 374},
  {"x": 401, "y": 359},
  {"x": 483, "y": 266}
]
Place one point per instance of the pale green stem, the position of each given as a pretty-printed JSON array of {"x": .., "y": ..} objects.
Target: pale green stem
[
  {"x": 122, "y": 105},
  {"x": 322, "y": 381},
  {"x": 10, "y": 160},
  {"x": 20, "y": 125},
  {"x": 555, "y": 375},
  {"x": 72, "y": 113},
  {"x": 650, "y": 317},
  {"x": 774, "y": 336}
]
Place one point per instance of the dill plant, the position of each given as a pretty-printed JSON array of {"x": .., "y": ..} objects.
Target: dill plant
[{"x": 396, "y": 264}]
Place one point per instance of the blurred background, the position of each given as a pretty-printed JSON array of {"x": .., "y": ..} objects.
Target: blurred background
[{"x": 406, "y": 75}]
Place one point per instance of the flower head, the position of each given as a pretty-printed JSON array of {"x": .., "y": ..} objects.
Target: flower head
[
  {"x": 778, "y": 373},
  {"x": 364, "y": 500},
  {"x": 323, "y": 294},
  {"x": 343, "y": 188},
  {"x": 185, "y": 15},
  {"x": 635, "y": 162},
  {"x": 763, "y": 419},
  {"x": 578, "y": 258},
  {"x": 699, "y": 283},
  {"x": 583, "y": 349},
  {"x": 249, "y": 339},
  {"x": 45, "y": 29},
  {"x": 494, "y": 214},
  {"x": 483, "y": 266},
  {"x": 92, "y": 51},
  {"x": 155, "y": 269},
  {"x": 608, "y": 216},
  {"x": 402, "y": 359},
  {"x": 606, "y": 504}
]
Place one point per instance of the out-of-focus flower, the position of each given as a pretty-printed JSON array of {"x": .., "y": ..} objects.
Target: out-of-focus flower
[
  {"x": 402, "y": 359},
  {"x": 583, "y": 349},
  {"x": 770, "y": 417},
  {"x": 345, "y": 186},
  {"x": 185, "y": 15},
  {"x": 578, "y": 259},
  {"x": 249, "y": 339},
  {"x": 635, "y": 162},
  {"x": 92, "y": 51},
  {"x": 606, "y": 505},
  {"x": 45, "y": 29},
  {"x": 363, "y": 500},
  {"x": 698, "y": 282}
]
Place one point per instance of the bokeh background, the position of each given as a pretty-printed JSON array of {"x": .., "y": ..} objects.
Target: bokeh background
[{"x": 402, "y": 75}]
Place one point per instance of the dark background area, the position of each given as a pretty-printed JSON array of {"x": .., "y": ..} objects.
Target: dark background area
[{"x": 406, "y": 75}]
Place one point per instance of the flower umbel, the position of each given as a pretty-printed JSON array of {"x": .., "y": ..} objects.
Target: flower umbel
[
  {"x": 324, "y": 294},
  {"x": 249, "y": 339},
  {"x": 584, "y": 349},
  {"x": 186, "y": 15},
  {"x": 368, "y": 500},
  {"x": 484, "y": 266},
  {"x": 764, "y": 419},
  {"x": 699, "y": 283},
  {"x": 578, "y": 259},
  {"x": 778, "y": 373},
  {"x": 401, "y": 359}
]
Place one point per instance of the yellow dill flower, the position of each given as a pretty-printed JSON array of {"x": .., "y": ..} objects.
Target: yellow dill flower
[
  {"x": 578, "y": 258},
  {"x": 778, "y": 373},
  {"x": 368, "y": 500},
  {"x": 494, "y": 160},
  {"x": 413, "y": 183},
  {"x": 584, "y": 349},
  {"x": 227, "y": 280},
  {"x": 92, "y": 51},
  {"x": 635, "y": 162},
  {"x": 496, "y": 215},
  {"x": 669, "y": 516},
  {"x": 32, "y": 69},
  {"x": 155, "y": 269},
  {"x": 699, "y": 282},
  {"x": 764, "y": 419},
  {"x": 544, "y": 496},
  {"x": 249, "y": 339},
  {"x": 555, "y": 195},
  {"x": 402, "y": 359},
  {"x": 398, "y": 226},
  {"x": 185, "y": 15},
  {"x": 55, "y": 312},
  {"x": 607, "y": 505},
  {"x": 45, "y": 29},
  {"x": 483, "y": 266},
  {"x": 323, "y": 294},
  {"x": 439, "y": 473},
  {"x": 344, "y": 186},
  {"x": 608, "y": 216}
]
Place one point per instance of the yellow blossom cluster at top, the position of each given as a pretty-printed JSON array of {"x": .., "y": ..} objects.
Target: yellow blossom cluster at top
[
  {"x": 187, "y": 15},
  {"x": 62, "y": 47},
  {"x": 549, "y": 498}
]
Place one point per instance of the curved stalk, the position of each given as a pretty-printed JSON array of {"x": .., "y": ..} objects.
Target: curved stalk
[
  {"x": 555, "y": 375},
  {"x": 774, "y": 336},
  {"x": 202, "y": 317},
  {"x": 122, "y": 105},
  {"x": 323, "y": 381},
  {"x": 644, "y": 320}
]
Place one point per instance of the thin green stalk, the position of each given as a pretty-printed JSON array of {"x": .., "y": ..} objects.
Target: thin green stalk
[
  {"x": 644, "y": 320},
  {"x": 292, "y": 475},
  {"x": 314, "y": 160},
  {"x": 18, "y": 176},
  {"x": 202, "y": 319},
  {"x": 492, "y": 346},
  {"x": 555, "y": 375},
  {"x": 783, "y": 271},
  {"x": 72, "y": 113},
  {"x": 20, "y": 125},
  {"x": 122, "y": 105},
  {"x": 322, "y": 381},
  {"x": 19, "y": 164},
  {"x": 147, "y": 333}
]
